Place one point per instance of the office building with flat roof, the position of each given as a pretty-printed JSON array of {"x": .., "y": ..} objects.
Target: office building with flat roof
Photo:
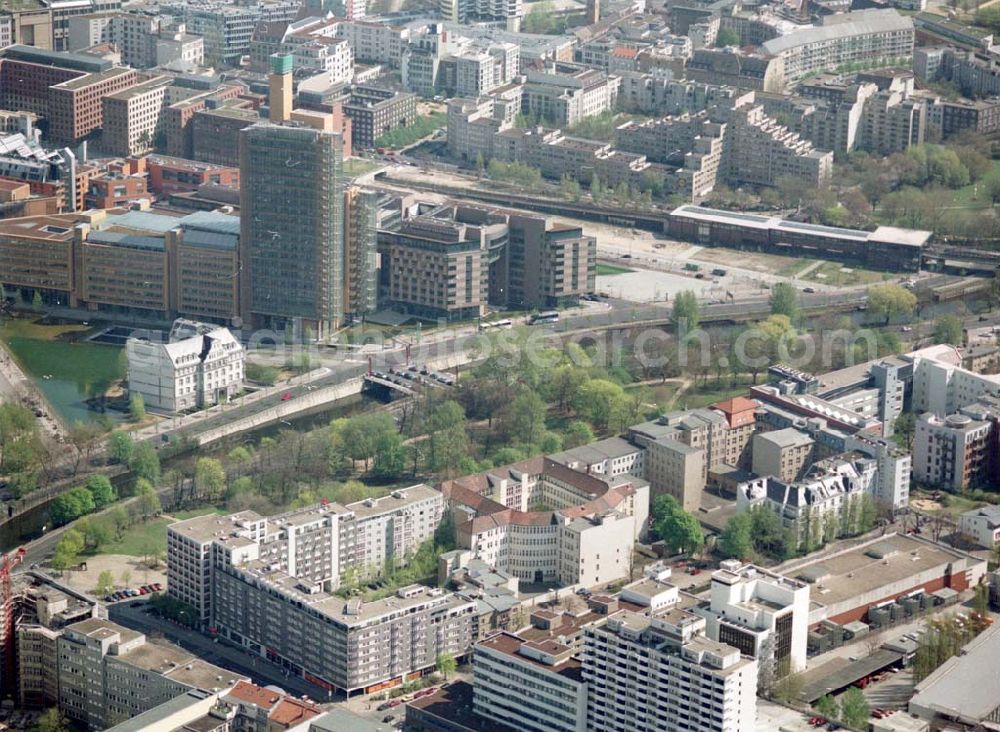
[
  {"x": 763, "y": 614},
  {"x": 108, "y": 674},
  {"x": 292, "y": 240},
  {"x": 435, "y": 269},
  {"x": 531, "y": 685}
]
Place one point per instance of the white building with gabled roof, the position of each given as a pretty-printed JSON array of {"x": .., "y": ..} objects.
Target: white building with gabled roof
[{"x": 199, "y": 366}]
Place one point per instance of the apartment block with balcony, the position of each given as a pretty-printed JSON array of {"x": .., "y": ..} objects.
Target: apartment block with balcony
[
  {"x": 954, "y": 452},
  {"x": 860, "y": 36},
  {"x": 656, "y": 671},
  {"x": 563, "y": 99},
  {"x": 341, "y": 645},
  {"x": 316, "y": 544},
  {"x": 529, "y": 684}
]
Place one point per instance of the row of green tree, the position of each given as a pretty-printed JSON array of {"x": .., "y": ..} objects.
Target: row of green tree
[
  {"x": 758, "y": 531},
  {"x": 943, "y": 638},
  {"x": 89, "y": 534},
  {"x": 416, "y": 130}
]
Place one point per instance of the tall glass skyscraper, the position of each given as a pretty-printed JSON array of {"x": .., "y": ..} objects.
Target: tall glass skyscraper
[{"x": 292, "y": 251}]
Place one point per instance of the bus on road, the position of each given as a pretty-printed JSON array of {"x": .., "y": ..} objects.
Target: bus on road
[{"x": 548, "y": 316}]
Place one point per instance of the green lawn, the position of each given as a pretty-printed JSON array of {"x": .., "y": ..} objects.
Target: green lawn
[
  {"x": 416, "y": 130},
  {"x": 605, "y": 269},
  {"x": 702, "y": 396},
  {"x": 141, "y": 539},
  {"x": 974, "y": 194},
  {"x": 792, "y": 269},
  {"x": 837, "y": 273},
  {"x": 353, "y": 167}
]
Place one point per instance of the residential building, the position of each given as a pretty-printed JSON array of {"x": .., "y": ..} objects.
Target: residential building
[
  {"x": 361, "y": 244},
  {"x": 764, "y": 615},
  {"x": 563, "y": 99},
  {"x": 657, "y": 671},
  {"x": 338, "y": 644},
  {"x": 244, "y": 706},
  {"x": 782, "y": 454},
  {"x": 859, "y": 36},
  {"x": 982, "y": 525},
  {"x": 728, "y": 67},
  {"x": 108, "y": 674},
  {"x": 954, "y": 452},
  {"x": 374, "y": 42},
  {"x": 540, "y": 521},
  {"x": 317, "y": 544},
  {"x": 531, "y": 685},
  {"x": 548, "y": 264},
  {"x": 200, "y": 366},
  {"x": 374, "y": 111},
  {"x": 506, "y": 13},
  {"x": 941, "y": 386},
  {"x": 824, "y": 504},
  {"x": 292, "y": 244}
]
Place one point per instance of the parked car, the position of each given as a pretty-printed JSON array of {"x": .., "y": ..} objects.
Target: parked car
[
  {"x": 809, "y": 290},
  {"x": 287, "y": 396},
  {"x": 157, "y": 586}
]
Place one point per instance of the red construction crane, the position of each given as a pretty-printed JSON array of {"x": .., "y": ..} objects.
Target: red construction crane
[{"x": 7, "y": 564}]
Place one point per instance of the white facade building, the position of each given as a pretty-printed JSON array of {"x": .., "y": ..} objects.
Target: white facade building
[
  {"x": 529, "y": 685},
  {"x": 316, "y": 544},
  {"x": 658, "y": 672},
  {"x": 611, "y": 457},
  {"x": 584, "y": 536},
  {"x": 814, "y": 507},
  {"x": 761, "y": 613},
  {"x": 201, "y": 365},
  {"x": 982, "y": 524},
  {"x": 942, "y": 387}
]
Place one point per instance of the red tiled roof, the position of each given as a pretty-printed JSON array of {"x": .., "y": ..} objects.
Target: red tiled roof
[
  {"x": 252, "y": 694},
  {"x": 622, "y": 52},
  {"x": 291, "y": 712}
]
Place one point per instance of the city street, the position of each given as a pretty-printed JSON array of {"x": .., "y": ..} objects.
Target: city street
[{"x": 132, "y": 615}]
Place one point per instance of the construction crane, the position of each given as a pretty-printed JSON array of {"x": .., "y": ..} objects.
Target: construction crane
[{"x": 7, "y": 564}]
